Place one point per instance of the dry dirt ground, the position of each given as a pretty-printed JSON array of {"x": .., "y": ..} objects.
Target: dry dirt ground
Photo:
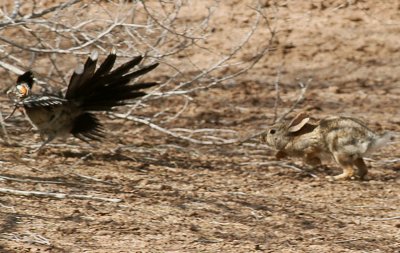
[{"x": 181, "y": 197}]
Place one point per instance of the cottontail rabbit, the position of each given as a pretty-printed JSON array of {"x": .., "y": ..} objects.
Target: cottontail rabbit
[{"x": 344, "y": 139}]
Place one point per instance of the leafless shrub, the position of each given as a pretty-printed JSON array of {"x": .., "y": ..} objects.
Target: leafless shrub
[{"x": 47, "y": 37}]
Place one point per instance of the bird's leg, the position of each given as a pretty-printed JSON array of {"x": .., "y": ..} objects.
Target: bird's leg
[
  {"x": 11, "y": 114},
  {"x": 45, "y": 141}
]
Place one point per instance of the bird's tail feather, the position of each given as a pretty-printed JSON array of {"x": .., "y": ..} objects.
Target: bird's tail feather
[
  {"x": 87, "y": 127},
  {"x": 103, "y": 89}
]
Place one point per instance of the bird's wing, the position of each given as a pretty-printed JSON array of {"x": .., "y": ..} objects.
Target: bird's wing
[{"x": 43, "y": 101}]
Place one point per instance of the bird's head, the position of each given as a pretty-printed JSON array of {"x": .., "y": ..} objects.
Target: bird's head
[{"x": 24, "y": 85}]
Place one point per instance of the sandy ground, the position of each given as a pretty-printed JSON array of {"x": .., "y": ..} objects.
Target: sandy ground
[{"x": 181, "y": 197}]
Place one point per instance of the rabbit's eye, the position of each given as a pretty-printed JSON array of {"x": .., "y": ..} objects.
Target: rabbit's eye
[{"x": 272, "y": 131}]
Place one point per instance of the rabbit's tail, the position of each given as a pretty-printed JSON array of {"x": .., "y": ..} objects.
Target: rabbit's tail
[{"x": 381, "y": 141}]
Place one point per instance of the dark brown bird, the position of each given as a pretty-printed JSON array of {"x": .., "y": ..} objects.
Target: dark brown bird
[{"x": 89, "y": 90}]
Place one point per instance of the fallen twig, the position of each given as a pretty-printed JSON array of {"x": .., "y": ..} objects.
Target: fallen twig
[
  {"x": 349, "y": 240},
  {"x": 386, "y": 219},
  {"x": 282, "y": 164},
  {"x": 27, "y": 237},
  {"x": 29, "y": 180},
  {"x": 57, "y": 195}
]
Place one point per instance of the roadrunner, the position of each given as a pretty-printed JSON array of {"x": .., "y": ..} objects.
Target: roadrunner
[{"x": 89, "y": 90}]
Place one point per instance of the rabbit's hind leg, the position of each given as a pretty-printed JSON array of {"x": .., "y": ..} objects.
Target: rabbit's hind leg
[
  {"x": 347, "y": 165},
  {"x": 348, "y": 173},
  {"x": 362, "y": 169}
]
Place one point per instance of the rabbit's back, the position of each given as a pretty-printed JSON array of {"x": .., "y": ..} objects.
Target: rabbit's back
[{"x": 347, "y": 136}]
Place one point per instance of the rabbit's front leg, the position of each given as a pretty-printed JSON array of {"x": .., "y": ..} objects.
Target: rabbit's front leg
[
  {"x": 280, "y": 154},
  {"x": 312, "y": 160}
]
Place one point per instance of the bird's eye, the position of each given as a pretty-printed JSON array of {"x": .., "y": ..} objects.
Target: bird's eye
[{"x": 272, "y": 131}]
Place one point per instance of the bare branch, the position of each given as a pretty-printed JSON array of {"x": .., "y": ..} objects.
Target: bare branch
[
  {"x": 300, "y": 98},
  {"x": 219, "y": 141}
]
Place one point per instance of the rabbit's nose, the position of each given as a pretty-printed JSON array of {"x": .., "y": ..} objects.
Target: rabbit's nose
[{"x": 262, "y": 138}]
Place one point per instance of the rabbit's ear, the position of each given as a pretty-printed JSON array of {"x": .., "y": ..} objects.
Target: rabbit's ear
[{"x": 298, "y": 122}]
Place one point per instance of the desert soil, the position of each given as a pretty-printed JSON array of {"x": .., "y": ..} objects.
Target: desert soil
[{"x": 181, "y": 197}]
